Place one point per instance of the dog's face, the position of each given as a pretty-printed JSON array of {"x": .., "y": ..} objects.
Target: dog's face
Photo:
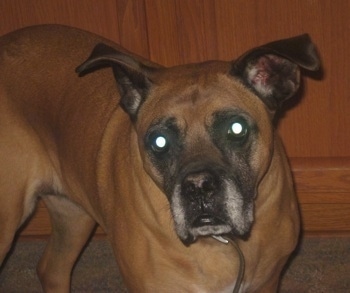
[
  {"x": 206, "y": 141},
  {"x": 204, "y": 130}
]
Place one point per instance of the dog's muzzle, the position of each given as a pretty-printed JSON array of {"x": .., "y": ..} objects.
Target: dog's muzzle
[
  {"x": 198, "y": 204},
  {"x": 201, "y": 188},
  {"x": 207, "y": 201}
]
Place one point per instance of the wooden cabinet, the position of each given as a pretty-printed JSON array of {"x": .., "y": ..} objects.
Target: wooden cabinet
[{"x": 316, "y": 127}]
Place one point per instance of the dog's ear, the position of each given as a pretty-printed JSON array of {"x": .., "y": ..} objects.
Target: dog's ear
[
  {"x": 133, "y": 77},
  {"x": 272, "y": 71}
]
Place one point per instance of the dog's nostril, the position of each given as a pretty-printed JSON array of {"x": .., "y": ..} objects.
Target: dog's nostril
[
  {"x": 208, "y": 185},
  {"x": 190, "y": 188},
  {"x": 199, "y": 185}
]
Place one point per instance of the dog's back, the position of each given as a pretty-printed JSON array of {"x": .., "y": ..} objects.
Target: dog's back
[{"x": 42, "y": 105}]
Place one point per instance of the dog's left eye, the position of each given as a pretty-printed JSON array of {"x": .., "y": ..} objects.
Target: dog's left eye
[{"x": 159, "y": 144}]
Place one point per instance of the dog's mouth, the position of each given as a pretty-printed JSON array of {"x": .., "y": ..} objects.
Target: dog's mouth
[
  {"x": 206, "y": 203},
  {"x": 203, "y": 226},
  {"x": 207, "y": 220},
  {"x": 192, "y": 224}
]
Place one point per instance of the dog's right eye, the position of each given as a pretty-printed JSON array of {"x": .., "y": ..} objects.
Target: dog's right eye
[{"x": 238, "y": 130}]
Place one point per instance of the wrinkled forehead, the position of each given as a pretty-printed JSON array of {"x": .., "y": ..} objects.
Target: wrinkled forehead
[{"x": 193, "y": 102}]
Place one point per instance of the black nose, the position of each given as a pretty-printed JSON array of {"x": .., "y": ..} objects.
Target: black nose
[{"x": 200, "y": 186}]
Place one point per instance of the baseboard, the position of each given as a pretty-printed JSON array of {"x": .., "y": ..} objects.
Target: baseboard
[{"x": 323, "y": 189}]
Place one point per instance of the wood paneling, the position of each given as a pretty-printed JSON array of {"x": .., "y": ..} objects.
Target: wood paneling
[
  {"x": 162, "y": 32},
  {"x": 322, "y": 175},
  {"x": 314, "y": 125},
  {"x": 196, "y": 30},
  {"x": 99, "y": 17},
  {"x": 326, "y": 218},
  {"x": 131, "y": 17}
]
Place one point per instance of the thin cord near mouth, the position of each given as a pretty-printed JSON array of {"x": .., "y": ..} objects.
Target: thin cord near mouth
[{"x": 240, "y": 275}]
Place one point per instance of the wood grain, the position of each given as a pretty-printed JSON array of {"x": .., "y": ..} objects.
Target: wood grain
[
  {"x": 99, "y": 17},
  {"x": 133, "y": 26},
  {"x": 322, "y": 175},
  {"x": 196, "y": 30},
  {"x": 324, "y": 218},
  {"x": 163, "y": 32}
]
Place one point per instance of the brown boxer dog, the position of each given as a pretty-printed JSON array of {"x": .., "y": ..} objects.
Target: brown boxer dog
[{"x": 161, "y": 158}]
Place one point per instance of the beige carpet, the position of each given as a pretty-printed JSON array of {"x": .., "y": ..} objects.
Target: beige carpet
[{"x": 320, "y": 265}]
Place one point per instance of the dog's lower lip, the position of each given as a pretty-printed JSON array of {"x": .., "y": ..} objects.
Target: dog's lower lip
[{"x": 206, "y": 220}]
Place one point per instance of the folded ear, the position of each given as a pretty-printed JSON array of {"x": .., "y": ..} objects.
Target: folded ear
[
  {"x": 132, "y": 76},
  {"x": 272, "y": 71}
]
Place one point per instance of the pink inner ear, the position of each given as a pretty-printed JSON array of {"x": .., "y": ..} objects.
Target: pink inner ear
[
  {"x": 261, "y": 76},
  {"x": 260, "y": 73},
  {"x": 264, "y": 73},
  {"x": 272, "y": 77},
  {"x": 263, "y": 69}
]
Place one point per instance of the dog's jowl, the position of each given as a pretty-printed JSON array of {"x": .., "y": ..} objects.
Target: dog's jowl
[{"x": 161, "y": 158}]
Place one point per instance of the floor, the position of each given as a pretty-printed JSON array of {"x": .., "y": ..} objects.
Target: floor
[{"x": 320, "y": 265}]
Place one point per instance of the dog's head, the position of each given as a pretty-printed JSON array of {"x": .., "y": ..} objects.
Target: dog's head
[{"x": 205, "y": 131}]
